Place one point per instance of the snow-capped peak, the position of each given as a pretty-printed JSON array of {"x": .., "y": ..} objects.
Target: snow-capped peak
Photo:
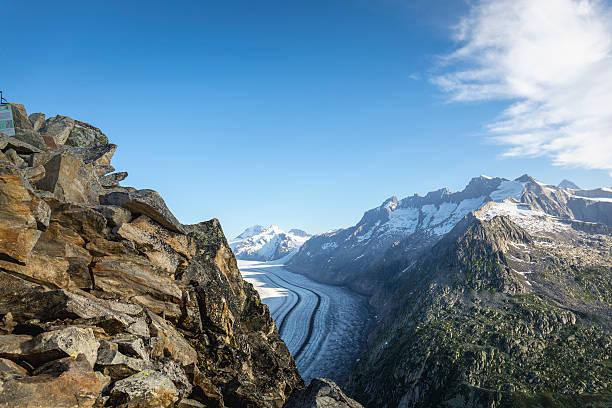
[{"x": 267, "y": 244}]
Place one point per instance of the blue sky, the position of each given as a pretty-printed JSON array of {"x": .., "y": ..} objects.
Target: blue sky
[{"x": 302, "y": 114}]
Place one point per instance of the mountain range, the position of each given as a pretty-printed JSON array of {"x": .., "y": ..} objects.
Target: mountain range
[
  {"x": 258, "y": 243},
  {"x": 415, "y": 223},
  {"x": 499, "y": 295}
]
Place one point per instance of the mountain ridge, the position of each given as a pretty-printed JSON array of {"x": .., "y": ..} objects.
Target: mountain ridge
[{"x": 258, "y": 243}]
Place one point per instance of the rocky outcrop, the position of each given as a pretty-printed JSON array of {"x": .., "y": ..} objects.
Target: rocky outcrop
[
  {"x": 107, "y": 300},
  {"x": 494, "y": 316},
  {"x": 321, "y": 393}
]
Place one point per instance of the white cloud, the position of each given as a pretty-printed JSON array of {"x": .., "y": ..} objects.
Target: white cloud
[{"x": 553, "y": 60}]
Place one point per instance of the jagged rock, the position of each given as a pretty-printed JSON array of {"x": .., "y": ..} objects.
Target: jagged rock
[
  {"x": 112, "y": 180},
  {"x": 18, "y": 145},
  {"x": 59, "y": 128},
  {"x": 82, "y": 218},
  {"x": 118, "y": 366},
  {"x": 174, "y": 344},
  {"x": 147, "y": 389},
  {"x": 70, "y": 341},
  {"x": 114, "y": 317},
  {"x": 116, "y": 216},
  {"x": 99, "y": 156},
  {"x": 204, "y": 388},
  {"x": 14, "y": 158},
  {"x": 147, "y": 202},
  {"x": 70, "y": 179},
  {"x": 37, "y": 120},
  {"x": 22, "y": 215},
  {"x": 67, "y": 247},
  {"x": 10, "y": 370},
  {"x": 12, "y": 346},
  {"x": 151, "y": 244},
  {"x": 132, "y": 276},
  {"x": 34, "y": 174},
  {"x": 132, "y": 347},
  {"x": 33, "y": 138},
  {"x": 321, "y": 393},
  {"x": 175, "y": 372},
  {"x": 20, "y": 117},
  {"x": 42, "y": 269},
  {"x": 85, "y": 135},
  {"x": 189, "y": 403},
  {"x": 65, "y": 383},
  {"x": 103, "y": 170}
]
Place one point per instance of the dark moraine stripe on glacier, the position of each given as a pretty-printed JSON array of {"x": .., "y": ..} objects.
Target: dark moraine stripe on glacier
[{"x": 324, "y": 326}]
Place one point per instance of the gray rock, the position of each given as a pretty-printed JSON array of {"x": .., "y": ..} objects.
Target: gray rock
[
  {"x": 115, "y": 215},
  {"x": 147, "y": 389},
  {"x": 38, "y": 121},
  {"x": 19, "y": 145},
  {"x": 20, "y": 117},
  {"x": 13, "y": 345},
  {"x": 10, "y": 370},
  {"x": 98, "y": 156},
  {"x": 103, "y": 170},
  {"x": 118, "y": 366},
  {"x": 133, "y": 347},
  {"x": 85, "y": 135},
  {"x": 174, "y": 344},
  {"x": 31, "y": 137},
  {"x": 190, "y": 403},
  {"x": 59, "y": 128},
  {"x": 321, "y": 393},
  {"x": 147, "y": 202},
  {"x": 34, "y": 174},
  {"x": 112, "y": 180},
  {"x": 71, "y": 341},
  {"x": 14, "y": 157}
]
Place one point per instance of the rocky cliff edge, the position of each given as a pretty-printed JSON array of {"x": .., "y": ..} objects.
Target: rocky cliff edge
[{"x": 107, "y": 300}]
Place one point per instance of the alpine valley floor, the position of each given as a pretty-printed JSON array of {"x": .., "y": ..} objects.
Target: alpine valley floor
[{"x": 324, "y": 326}]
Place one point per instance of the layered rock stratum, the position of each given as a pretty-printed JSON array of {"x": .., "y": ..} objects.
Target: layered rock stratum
[{"x": 106, "y": 299}]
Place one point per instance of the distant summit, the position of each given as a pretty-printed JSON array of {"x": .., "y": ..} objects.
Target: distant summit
[
  {"x": 258, "y": 243},
  {"x": 569, "y": 185}
]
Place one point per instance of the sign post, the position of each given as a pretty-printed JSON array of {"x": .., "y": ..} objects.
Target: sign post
[{"x": 7, "y": 126}]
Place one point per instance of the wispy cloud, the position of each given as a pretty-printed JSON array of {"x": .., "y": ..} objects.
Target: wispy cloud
[{"x": 552, "y": 59}]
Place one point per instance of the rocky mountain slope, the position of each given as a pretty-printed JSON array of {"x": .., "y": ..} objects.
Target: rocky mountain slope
[
  {"x": 414, "y": 224},
  {"x": 496, "y": 296},
  {"x": 107, "y": 300},
  {"x": 257, "y": 243}
]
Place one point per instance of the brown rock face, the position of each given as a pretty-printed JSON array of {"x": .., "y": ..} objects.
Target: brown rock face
[
  {"x": 64, "y": 383},
  {"x": 70, "y": 179},
  {"x": 112, "y": 301},
  {"x": 22, "y": 216}
]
